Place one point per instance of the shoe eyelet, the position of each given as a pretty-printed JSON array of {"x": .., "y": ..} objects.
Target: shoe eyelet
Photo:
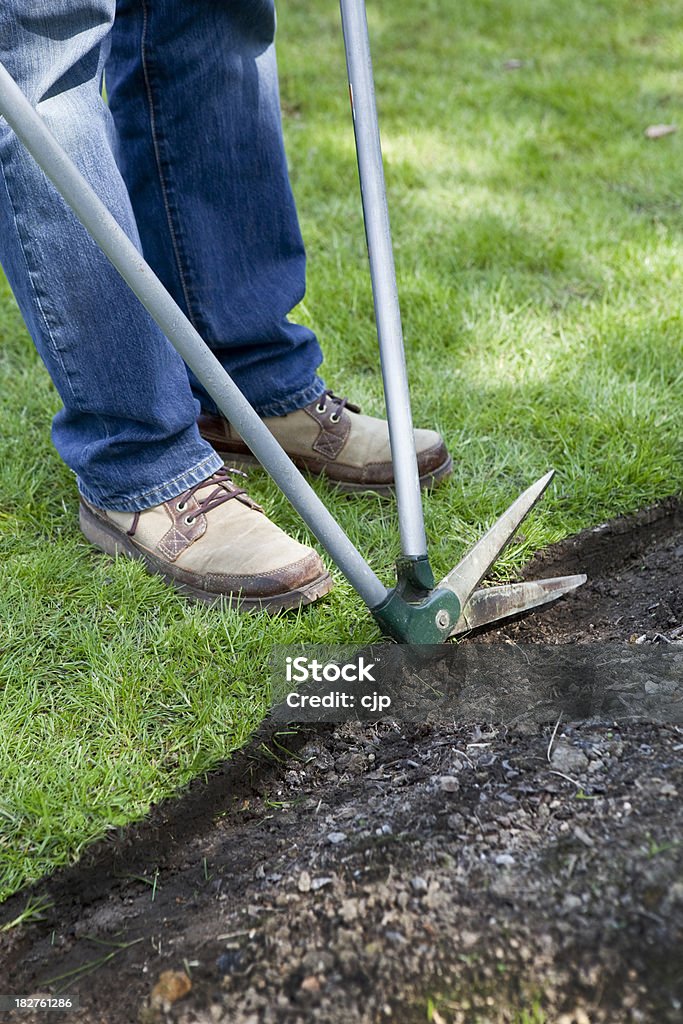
[
  {"x": 188, "y": 520},
  {"x": 320, "y": 408},
  {"x": 181, "y": 506},
  {"x": 334, "y": 418}
]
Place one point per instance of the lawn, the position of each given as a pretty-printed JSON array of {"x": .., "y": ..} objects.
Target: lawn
[{"x": 540, "y": 260}]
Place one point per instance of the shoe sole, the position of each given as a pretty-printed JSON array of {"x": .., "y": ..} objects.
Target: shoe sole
[
  {"x": 112, "y": 542},
  {"x": 430, "y": 479}
]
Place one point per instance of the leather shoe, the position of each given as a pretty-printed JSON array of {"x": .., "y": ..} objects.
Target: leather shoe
[{"x": 332, "y": 438}]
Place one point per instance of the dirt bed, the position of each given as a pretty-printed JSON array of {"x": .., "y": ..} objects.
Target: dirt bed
[{"x": 402, "y": 873}]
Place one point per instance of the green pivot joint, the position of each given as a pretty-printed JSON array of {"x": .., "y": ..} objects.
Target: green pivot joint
[{"x": 415, "y": 613}]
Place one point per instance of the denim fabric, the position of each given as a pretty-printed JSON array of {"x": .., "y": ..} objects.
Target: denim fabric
[{"x": 188, "y": 156}]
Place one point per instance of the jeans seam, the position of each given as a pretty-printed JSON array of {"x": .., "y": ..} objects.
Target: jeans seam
[
  {"x": 157, "y": 156},
  {"x": 48, "y": 330}
]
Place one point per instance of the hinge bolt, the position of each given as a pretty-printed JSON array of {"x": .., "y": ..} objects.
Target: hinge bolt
[{"x": 443, "y": 619}]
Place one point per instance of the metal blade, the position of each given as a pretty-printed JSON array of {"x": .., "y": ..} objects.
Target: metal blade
[
  {"x": 473, "y": 567},
  {"x": 494, "y": 603}
]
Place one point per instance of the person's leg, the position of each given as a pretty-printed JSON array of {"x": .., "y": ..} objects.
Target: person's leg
[
  {"x": 194, "y": 93},
  {"x": 193, "y": 89},
  {"x": 128, "y": 427},
  {"x": 151, "y": 488}
]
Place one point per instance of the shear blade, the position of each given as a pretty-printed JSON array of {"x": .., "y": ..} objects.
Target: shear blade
[
  {"x": 494, "y": 603},
  {"x": 473, "y": 567}
]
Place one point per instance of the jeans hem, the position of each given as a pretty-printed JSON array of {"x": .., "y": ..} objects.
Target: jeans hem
[
  {"x": 156, "y": 495},
  {"x": 279, "y": 406},
  {"x": 282, "y": 406}
]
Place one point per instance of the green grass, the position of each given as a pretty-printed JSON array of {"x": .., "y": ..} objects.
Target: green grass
[{"x": 540, "y": 261}]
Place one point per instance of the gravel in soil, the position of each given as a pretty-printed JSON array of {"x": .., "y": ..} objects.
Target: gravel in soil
[{"x": 403, "y": 873}]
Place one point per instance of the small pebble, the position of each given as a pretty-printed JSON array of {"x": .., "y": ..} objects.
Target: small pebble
[
  {"x": 310, "y": 984},
  {"x": 567, "y": 758},
  {"x": 319, "y": 883},
  {"x": 229, "y": 961},
  {"x": 583, "y": 837},
  {"x": 349, "y": 910},
  {"x": 504, "y": 860},
  {"x": 304, "y": 883},
  {"x": 170, "y": 987}
]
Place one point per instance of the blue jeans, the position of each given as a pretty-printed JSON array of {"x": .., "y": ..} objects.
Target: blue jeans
[{"x": 188, "y": 156}]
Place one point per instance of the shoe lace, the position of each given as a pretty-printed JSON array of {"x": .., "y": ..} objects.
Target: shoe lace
[
  {"x": 224, "y": 490},
  {"x": 339, "y": 403}
]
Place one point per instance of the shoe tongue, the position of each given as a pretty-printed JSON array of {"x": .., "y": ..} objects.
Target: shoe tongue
[
  {"x": 337, "y": 399},
  {"x": 218, "y": 479},
  {"x": 211, "y": 485},
  {"x": 222, "y": 478}
]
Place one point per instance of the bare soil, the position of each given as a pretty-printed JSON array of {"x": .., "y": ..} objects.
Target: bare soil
[{"x": 360, "y": 874}]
